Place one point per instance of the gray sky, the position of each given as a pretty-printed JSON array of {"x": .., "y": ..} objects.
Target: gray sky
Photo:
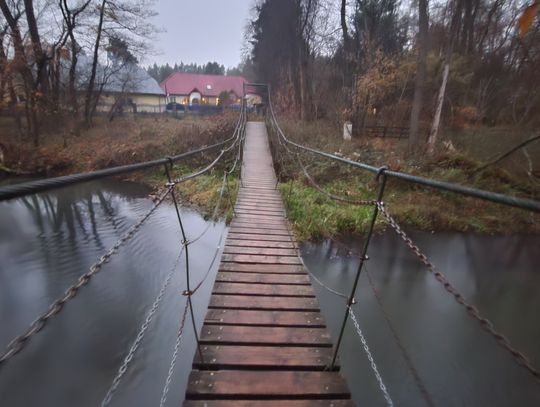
[{"x": 200, "y": 31}]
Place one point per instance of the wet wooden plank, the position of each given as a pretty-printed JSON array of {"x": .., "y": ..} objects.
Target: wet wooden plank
[
  {"x": 249, "y": 193},
  {"x": 260, "y": 243},
  {"x": 269, "y": 318},
  {"x": 264, "y": 335},
  {"x": 263, "y": 357},
  {"x": 264, "y": 340},
  {"x": 269, "y": 217},
  {"x": 250, "y": 212},
  {"x": 260, "y": 223},
  {"x": 270, "y": 206},
  {"x": 260, "y": 198},
  {"x": 255, "y": 209},
  {"x": 263, "y": 278},
  {"x": 259, "y": 236},
  {"x": 252, "y": 258},
  {"x": 238, "y": 383},
  {"x": 263, "y": 289},
  {"x": 247, "y": 302},
  {"x": 260, "y": 251},
  {"x": 269, "y": 403},
  {"x": 262, "y": 268},
  {"x": 252, "y": 231}
]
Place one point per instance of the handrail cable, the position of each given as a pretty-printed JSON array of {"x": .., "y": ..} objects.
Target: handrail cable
[
  {"x": 140, "y": 335},
  {"x": 519, "y": 357},
  {"x": 190, "y": 292},
  {"x": 516, "y": 202},
  {"x": 19, "y": 342},
  {"x": 32, "y": 187},
  {"x": 369, "y": 355},
  {"x": 185, "y": 242},
  {"x": 123, "y": 368}
]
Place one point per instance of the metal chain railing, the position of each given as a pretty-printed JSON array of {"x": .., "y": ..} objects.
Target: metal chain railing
[
  {"x": 174, "y": 357},
  {"x": 382, "y": 386},
  {"x": 189, "y": 292},
  {"x": 140, "y": 336},
  {"x": 485, "y": 323},
  {"x": 403, "y": 350},
  {"x": 19, "y": 343}
]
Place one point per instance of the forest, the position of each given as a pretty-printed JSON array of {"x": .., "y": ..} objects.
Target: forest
[
  {"x": 422, "y": 64},
  {"x": 57, "y": 57}
]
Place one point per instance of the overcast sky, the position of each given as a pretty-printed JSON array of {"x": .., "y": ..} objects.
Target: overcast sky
[{"x": 200, "y": 31}]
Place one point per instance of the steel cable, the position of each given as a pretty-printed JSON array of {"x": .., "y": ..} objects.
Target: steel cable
[
  {"x": 140, "y": 336},
  {"x": 174, "y": 356},
  {"x": 19, "y": 342},
  {"x": 485, "y": 323},
  {"x": 378, "y": 376}
]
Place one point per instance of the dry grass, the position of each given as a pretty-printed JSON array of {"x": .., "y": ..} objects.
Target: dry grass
[
  {"x": 413, "y": 206},
  {"x": 125, "y": 140}
]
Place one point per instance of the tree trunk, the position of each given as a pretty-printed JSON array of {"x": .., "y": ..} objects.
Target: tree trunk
[
  {"x": 437, "y": 118},
  {"x": 39, "y": 55},
  {"x": 433, "y": 134},
  {"x": 20, "y": 63},
  {"x": 420, "y": 79},
  {"x": 91, "y": 83}
]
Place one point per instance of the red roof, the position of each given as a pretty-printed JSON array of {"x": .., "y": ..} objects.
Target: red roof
[{"x": 180, "y": 83}]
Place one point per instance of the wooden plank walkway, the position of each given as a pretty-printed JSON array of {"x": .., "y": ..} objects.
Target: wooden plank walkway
[{"x": 264, "y": 341}]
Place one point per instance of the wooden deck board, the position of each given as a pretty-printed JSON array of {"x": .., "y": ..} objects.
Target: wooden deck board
[
  {"x": 275, "y": 384},
  {"x": 264, "y": 341},
  {"x": 263, "y": 278}
]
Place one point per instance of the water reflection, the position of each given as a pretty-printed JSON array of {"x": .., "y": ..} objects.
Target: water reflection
[
  {"x": 458, "y": 362},
  {"x": 46, "y": 243}
]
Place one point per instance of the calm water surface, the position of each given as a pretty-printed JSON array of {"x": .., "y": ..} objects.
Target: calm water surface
[
  {"x": 48, "y": 241},
  {"x": 458, "y": 363}
]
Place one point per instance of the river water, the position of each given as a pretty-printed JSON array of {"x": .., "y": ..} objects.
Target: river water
[
  {"x": 48, "y": 241},
  {"x": 456, "y": 361}
]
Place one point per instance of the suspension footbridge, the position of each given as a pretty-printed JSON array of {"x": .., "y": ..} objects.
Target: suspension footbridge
[
  {"x": 263, "y": 340},
  {"x": 264, "y": 336}
]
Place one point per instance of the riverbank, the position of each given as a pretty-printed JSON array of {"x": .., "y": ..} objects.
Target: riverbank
[
  {"x": 314, "y": 215},
  {"x": 126, "y": 140}
]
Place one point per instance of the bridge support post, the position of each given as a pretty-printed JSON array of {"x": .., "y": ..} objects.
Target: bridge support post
[
  {"x": 185, "y": 242},
  {"x": 363, "y": 258}
]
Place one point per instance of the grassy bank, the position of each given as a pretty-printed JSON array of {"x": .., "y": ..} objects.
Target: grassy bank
[
  {"x": 202, "y": 192},
  {"x": 126, "y": 140},
  {"x": 314, "y": 215}
]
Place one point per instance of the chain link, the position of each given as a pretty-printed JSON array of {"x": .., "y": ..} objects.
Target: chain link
[
  {"x": 18, "y": 343},
  {"x": 174, "y": 357},
  {"x": 408, "y": 361},
  {"x": 485, "y": 323},
  {"x": 144, "y": 327},
  {"x": 382, "y": 386}
]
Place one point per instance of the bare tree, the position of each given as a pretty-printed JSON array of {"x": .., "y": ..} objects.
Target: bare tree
[
  {"x": 456, "y": 17},
  {"x": 421, "y": 45}
]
